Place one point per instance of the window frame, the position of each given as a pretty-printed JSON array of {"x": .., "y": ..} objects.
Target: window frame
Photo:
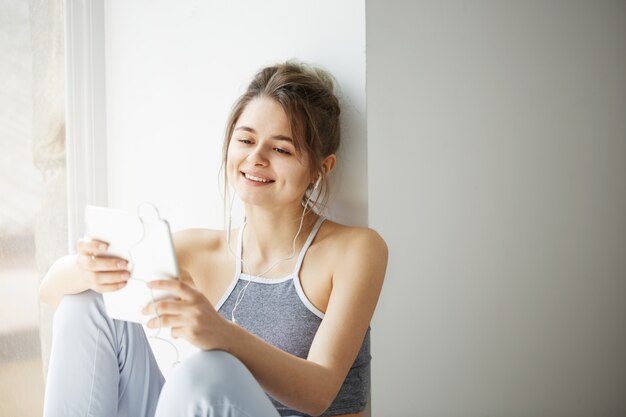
[{"x": 85, "y": 116}]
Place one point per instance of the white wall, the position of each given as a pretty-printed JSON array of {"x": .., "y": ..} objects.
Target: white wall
[
  {"x": 497, "y": 168},
  {"x": 497, "y": 174},
  {"x": 173, "y": 70}
]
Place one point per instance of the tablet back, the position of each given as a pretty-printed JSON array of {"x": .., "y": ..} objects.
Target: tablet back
[{"x": 146, "y": 242}]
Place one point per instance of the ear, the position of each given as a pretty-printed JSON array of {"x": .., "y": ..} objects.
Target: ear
[{"x": 328, "y": 164}]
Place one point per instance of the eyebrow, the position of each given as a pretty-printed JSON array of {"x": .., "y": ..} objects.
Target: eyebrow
[{"x": 277, "y": 137}]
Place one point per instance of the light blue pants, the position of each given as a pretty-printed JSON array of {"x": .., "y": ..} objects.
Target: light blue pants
[{"x": 105, "y": 367}]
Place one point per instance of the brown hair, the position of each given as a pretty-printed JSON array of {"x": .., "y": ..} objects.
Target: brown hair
[{"x": 306, "y": 95}]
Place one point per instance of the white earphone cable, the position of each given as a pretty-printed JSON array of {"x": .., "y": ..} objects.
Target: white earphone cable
[
  {"x": 242, "y": 292},
  {"x": 156, "y": 335}
]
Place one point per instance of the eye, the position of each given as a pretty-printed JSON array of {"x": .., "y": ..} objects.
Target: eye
[
  {"x": 244, "y": 141},
  {"x": 282, "y": 151}
]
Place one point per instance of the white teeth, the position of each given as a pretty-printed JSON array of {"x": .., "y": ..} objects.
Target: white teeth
[{"x": 253, "y": 178}]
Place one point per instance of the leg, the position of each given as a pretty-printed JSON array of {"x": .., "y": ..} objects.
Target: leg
[
  {"x": 99, "y": 366},
  {"x": 213, "y": 384}
]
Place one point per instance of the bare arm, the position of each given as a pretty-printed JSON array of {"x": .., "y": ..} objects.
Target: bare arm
[
  {"x": 308, "y": 385},
  {"x": 89, "y": 268},
  {"x": 311, "y": 385},
  {"x": 62, "y": 278}
]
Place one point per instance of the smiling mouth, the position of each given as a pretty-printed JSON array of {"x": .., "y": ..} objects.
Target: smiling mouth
[{"x": 257, "y": 179}]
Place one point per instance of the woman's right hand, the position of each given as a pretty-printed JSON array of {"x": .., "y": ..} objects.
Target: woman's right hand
[{"x": 100, "y": 272}]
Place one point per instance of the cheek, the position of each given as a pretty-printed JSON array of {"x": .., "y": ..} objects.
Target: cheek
[
  {"x": 233, "y": 159},
  {"x": 231, "y": 174},
  {"x": 303, "y": 181},
  {"x": 231, "y": 168}
]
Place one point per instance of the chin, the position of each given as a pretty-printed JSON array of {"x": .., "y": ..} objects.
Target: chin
[{"x": 251, "y": 198}]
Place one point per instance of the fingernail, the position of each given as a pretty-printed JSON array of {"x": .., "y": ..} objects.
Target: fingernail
[
  {"x": 102, "y": 246},
  {"x": 121, "y": 264}
]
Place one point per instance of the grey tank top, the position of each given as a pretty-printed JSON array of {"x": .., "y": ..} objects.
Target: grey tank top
[{"x": 277, "y": 311}]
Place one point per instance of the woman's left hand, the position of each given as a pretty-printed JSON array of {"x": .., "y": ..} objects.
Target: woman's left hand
[{"x": 191, "y": 316}]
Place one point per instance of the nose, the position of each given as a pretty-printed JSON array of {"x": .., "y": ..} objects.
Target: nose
[{"x": 257, "y": 157}]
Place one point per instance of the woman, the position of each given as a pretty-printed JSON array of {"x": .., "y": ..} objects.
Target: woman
[{"x": 293, "y": 323}]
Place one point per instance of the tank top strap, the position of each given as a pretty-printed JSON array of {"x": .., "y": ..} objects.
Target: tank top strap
[{"x": 308, "y": 242}]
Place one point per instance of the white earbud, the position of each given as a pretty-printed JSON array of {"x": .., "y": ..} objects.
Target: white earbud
[{"x": 317, "y": 183}]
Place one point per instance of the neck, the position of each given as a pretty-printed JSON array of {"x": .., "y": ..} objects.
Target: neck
[{"x": 269, "y": 234}]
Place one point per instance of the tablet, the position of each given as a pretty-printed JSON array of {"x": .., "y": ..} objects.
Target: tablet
[{"x": 145, "y": 240}]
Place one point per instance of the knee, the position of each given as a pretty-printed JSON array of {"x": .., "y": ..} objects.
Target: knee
[
  {"x": 211, "y": 372},
  {"x": 207, "y": 377},
  {"x": 82, "y": 301},
  {"x": 79, "y": 308}
]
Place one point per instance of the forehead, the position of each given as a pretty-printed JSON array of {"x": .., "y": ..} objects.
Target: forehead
[{"x": 266, "y": 117}]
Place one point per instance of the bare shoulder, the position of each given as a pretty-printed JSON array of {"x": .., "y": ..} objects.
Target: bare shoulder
[
  {"x": 359, "y": 240},
  {"x": 350, "y": 246},
  {"x": 188, "y": 240}
]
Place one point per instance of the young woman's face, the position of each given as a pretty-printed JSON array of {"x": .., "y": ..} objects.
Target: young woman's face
[{"x": 263, "y": 167}]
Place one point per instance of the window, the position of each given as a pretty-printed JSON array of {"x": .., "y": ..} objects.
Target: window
[{"x": 33, "y": 208}]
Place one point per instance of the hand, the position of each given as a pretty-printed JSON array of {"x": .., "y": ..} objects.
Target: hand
[
  {"x": 191, "y": 316},
  {"x": 100, "y": 272}
]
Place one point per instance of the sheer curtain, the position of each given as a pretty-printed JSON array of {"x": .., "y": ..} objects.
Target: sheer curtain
[{"x": 33, "y": 208}]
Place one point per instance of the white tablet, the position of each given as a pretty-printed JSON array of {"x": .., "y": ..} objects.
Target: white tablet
[{"x": 145, "y": 240}]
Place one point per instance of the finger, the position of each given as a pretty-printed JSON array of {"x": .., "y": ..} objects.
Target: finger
[
  {"x": 108, "y": 263},
  {"x": 104, "y": 278},
  {"x": 102, "y": 263},
  {"x": 109, "y": 287},
  {"x": 165, "y": 320},
  {"x": 176, "y": 332},
  {"x": 165, "y": 307},
  {"x": 175, "y": 286},
  {"x": 91, "y": 246}
]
